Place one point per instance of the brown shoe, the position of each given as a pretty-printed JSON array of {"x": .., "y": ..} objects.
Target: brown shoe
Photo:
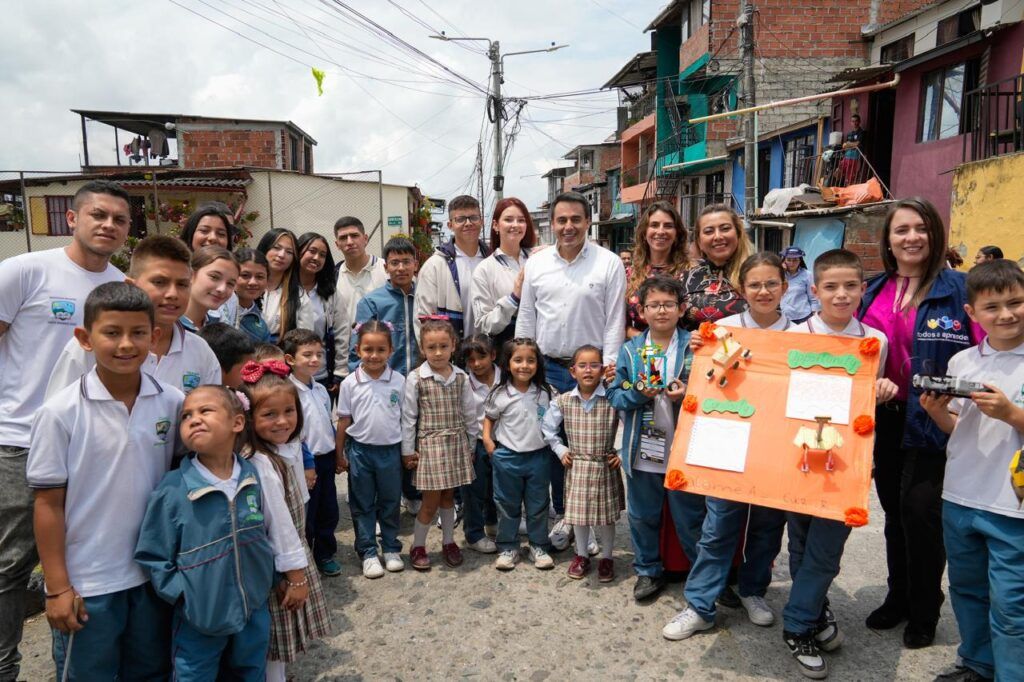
[
  {"x": 605, "y": 571},
  {"x": 452, "y": 554},
  {"x": 419, "y": 559},
  {"x": 579, "y": 567}
]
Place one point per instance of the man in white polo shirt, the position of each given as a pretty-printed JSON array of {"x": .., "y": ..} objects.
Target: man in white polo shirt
[
  {"x": 360, "y": 272},
  {"x": 573, "y": 294},
  {"x": 42, "y": 297}
]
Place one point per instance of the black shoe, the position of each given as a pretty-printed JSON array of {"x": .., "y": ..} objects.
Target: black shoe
[
  {"x": 827, "y": 635},
  {"x": 647, "y": 587},
  {"x": 887, "y": 616},
  {"x": 962, "y": 674},
  {"x": 806, "y": 654},
  {"x": 918, "y": 637},
  {"x": 729, "y": 599}
]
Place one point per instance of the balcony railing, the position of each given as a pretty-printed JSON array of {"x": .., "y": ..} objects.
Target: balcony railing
[
  {"x": 836, "y": 168},
  {"x": 641, "y": 108},
  {"x": 996, "y": 120},
  {"x": 690, "y": 205},
  {"x": 638, "y": 175},
  {"x": 677, "y": 142}
]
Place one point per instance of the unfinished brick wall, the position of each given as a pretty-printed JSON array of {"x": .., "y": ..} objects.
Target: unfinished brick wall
[
  {"x": 608, "y": 157},
  {"x": 694, "y": 48},
  {"x": 863, "y": 235},
  {"x": 228, "y": 147}
]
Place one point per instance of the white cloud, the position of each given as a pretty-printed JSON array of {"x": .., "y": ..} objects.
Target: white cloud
[{"x": 161, "y": 58}]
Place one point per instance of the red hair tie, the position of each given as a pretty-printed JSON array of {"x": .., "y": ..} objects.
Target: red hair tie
[{"x": 253, "y": 371}]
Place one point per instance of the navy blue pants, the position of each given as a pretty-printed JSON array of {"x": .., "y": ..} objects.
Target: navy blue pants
[
  {"x": 560, "y": 379},
  {"x": 322, "y": 513}
]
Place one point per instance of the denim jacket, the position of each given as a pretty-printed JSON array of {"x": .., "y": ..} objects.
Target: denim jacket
[
  {"x": 210, "y": 552},
  {"x": 631, "y": 402},
  {"x": 941, "y": 330},
  {"x": 389, "y": 304}
]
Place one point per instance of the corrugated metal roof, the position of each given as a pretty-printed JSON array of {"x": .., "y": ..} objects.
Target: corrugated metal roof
[{"x": 190, "y": 182}]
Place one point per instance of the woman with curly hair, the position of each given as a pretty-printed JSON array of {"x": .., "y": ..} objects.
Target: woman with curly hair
[
  {"x": 661, "y": 249},
  {"x": 712, "y": 286}
]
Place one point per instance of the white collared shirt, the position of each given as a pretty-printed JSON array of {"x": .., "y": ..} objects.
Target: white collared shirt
[
  {"x": 188, "y": 363},
  {"x": 568, "y": 304},
  {"x": 317, "y": 427},
  {"x": 465, "y": 265},
  {"x": 854, "y": 328},
  {"x": 375, "y": 406},
  {"x": 747, "y": 321},
  {"x": 42, "y": 298},
  {"x": 980, "y": 448},
  {"x": 292, "y": 453},
  {"x": 289, "y": 554},
  {"x": 553, "y": 418},
  {"x": 357, "y": 284},
  {"x": 108, "y": 461},
  {"x": 411, "y": 405},
  {"x": 481, "y": 390},
  {"x": 518, "y": 416}
]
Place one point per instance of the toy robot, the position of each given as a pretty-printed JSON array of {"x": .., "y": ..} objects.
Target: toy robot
[
  {"x": 727, "y": 356},
  {"x": 823, "y": 439},
  {"x": 649, "y": 371}
]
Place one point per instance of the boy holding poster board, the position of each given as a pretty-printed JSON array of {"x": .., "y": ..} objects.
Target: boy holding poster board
[{"x": 816, "y": 544}]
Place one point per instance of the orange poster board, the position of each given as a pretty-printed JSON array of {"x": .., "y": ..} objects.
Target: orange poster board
[{"x": 737, "y": 442}]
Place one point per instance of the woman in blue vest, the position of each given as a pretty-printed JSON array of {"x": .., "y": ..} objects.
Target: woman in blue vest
[{"x": 919, "y": 303}]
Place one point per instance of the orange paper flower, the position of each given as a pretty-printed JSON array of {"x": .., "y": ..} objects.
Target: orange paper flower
[
  {"x": 707, "y": 330},
  {"x": 856, "y": 517},
  {"x": 870, "y": 346},
  {"x": 676, "y": 479},
  {"x": 690, "y": 403},
  {"x": 863, "y": 425}
]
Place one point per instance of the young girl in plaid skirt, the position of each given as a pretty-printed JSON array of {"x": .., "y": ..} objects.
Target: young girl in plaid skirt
[
  {"x": 439, "y": 429},
  {"x": 593, "y": 485},
  {"x": 513, "y": 439},
  {"x": 276, "y": 417}
]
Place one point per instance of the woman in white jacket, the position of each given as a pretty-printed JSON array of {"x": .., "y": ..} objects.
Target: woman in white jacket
[{"x": 498, "y": 280}]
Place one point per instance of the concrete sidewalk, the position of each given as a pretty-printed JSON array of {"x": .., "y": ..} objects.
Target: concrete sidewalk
[{"x": 474, "y": 622}]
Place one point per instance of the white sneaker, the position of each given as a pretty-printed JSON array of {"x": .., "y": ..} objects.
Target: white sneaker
[
  {"x": 484, "y": 545},
  {"x": 560, "y": 535},
  {"x": 507, "y": 560},
  {"x": 393, "y": 562},
  {"x": 758, "y": 611},
  {"x": 372, "y": 568},
  {"x": 685, "y": 624},
  {"x": 541, "y": 559},
  {"x": 593, "y": 549}
]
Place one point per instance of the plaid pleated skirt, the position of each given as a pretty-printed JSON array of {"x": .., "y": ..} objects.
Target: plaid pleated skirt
[
  {"x": 292, "y": 631},
  {"x": 446, "y": 459},
  {"x": 593, "y": 492}
]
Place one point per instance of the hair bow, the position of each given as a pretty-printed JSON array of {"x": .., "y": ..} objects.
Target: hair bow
[
  {"x": 253, "y": 371},
  {"x": 243, "y": 399}
]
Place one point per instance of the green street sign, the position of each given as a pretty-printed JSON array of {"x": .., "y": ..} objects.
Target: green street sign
[{"x": 394, "y": 221}]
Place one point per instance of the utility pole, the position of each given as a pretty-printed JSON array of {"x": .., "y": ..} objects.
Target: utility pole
[
  {"x": 746, "y": 23},
  {"x": 480, "y": 169},
  {"x": 495, "y": 105}
]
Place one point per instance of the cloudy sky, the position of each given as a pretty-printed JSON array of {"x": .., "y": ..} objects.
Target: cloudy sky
[{"x": 382, "y": 106}]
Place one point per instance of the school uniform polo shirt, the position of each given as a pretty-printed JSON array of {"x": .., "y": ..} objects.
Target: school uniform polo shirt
[
  {"x": 746, "y": 321},
  {"x": 317, "y": 427},
  {"x": 188, "y": 363},
  {"x": 108, "y": 461},
  {"x": 518, "y": 416},
  {"x": 375, "y": 406},
  {"x": 481, "y": 391},
  {"x": 854, "y": 328},
  {"x": 980, "y": 448},
  {"x": 42, "y": 298}
]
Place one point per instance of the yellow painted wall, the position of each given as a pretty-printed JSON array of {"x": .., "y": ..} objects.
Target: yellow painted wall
[{"x": 987, "y": 206}]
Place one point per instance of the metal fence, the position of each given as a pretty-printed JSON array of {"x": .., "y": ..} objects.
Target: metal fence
[{"x": 33, "y": 204}]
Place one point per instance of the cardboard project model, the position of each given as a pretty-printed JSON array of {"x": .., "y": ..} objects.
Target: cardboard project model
[{"x": 791, "y": 428}]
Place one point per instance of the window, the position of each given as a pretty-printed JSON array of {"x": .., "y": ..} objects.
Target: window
[
  {"x": 837, "y": 115},
  {"x": 705, "y": 12},
  {"x": 942, "y": 100},
  {"x": 294, "y": 143},
  {"x": 798, "y": 162},
  {"x": 56, "y": 216},
  {"x": 684, "y": 20},
  {"x": 714, "y": 185},
  {"x": 898, "y": 50},
  {"x": 958, "y": 25},
  {"x": 587, "y": 160},
  {"x": 307, "y": 158}
]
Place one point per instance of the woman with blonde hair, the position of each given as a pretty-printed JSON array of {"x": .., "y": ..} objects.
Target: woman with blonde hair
[
  {"x": 661, "y": 249},
  {"x": 711, "y": 287}
]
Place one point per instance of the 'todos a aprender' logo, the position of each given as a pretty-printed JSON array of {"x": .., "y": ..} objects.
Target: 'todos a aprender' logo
[
  {"x": 395, "y": 397},
  {"x": 163, "y": 427},
  {"x": 945, "y": 323},
  {"x": 62, "y": 309},
  {"x": 190, "y": 381}
]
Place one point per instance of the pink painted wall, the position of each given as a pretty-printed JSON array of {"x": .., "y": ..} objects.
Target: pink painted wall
[{"x": 922, "y": 168}]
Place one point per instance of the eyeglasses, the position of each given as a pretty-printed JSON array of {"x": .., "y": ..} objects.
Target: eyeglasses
[
  {"x": 658, "y": 307},
  {"x": 589, "y": 365},
  {"x": 463, "y": 219},
  {"x": 771, "y": 285}
]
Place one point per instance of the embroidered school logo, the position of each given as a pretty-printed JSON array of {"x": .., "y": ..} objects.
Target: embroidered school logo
[
  {"x": 1018, "y": 399},
  {"x": 190, "y": 381},
  {"x": 163, "y": 427},
  {"x": 62, "y": 309},
  {"x": 541, "y": 410},
  {"x": 393, "y": 400},
  {"x": 254, "y": 514},
  {"x": 945, "y": 323}
]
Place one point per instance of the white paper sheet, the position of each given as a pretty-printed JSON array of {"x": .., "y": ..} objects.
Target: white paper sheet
[
  {"x": 819, "y": 395},
  {"x": 719, "y": 444}
]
